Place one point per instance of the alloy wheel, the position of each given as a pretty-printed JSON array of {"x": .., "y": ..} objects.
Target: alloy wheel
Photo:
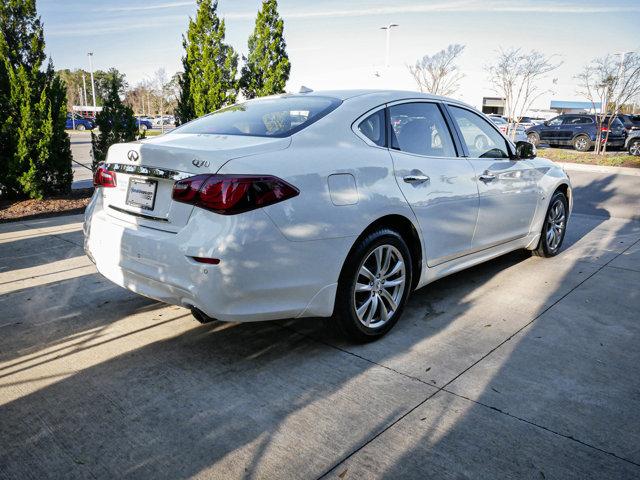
[
  {"x": 556, "y": 222},
  {"x": 581, "y": 144},
  {"x": 380, "y": 283},
  {"x": 634, "y": 149}
]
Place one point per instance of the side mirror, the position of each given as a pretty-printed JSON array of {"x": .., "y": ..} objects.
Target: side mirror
[{"x": 525, "y": 150}]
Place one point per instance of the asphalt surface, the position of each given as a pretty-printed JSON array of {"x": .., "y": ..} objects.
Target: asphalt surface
[{"x": 519, "y": 368}]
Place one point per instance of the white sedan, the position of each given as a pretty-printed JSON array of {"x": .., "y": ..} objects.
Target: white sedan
[{"x": 319, "y": 204}]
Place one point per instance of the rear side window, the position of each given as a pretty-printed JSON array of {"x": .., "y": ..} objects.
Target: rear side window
[
  {"x": 420, "y": 128},
  {"x": 482, "y": 139},
  {"x": 373, "y": 127},
  {"x": 268, "y": 117}
]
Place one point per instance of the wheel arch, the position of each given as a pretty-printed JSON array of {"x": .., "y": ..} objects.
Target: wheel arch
[{"x": 409, "y": 233}]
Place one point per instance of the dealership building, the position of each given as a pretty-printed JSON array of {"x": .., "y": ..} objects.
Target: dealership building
[{"x": 496, "y": 106}]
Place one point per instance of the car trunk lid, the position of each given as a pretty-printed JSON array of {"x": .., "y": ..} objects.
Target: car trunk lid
[{"x": 146, "y": 171}]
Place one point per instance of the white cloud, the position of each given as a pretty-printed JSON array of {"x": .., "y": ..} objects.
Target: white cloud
[
  {"x": 463, "y": 6},
  {"x": 159, "y": 6}
]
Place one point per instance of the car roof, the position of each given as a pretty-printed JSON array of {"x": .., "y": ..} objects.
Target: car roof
[{"x": 377, "y": 95}]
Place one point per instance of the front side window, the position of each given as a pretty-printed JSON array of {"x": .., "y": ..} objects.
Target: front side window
[
  {"x": 482, "y": 139},
  {"x": 420, "y": 128},
  {"x": 555, "y": 122},
  {"x": 373, "y": 127},
  {"x": 268, "y": 117}
]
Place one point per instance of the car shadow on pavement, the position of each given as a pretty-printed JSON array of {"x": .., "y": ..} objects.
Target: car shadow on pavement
[{"x": 485, "y": 364}]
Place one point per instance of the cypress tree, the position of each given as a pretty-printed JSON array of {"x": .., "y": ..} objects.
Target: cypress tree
[
  {"x": 33, "y": 157},
  {"x": 267, "y": 65},
  {"x": 210, "y": 65},
  {"x": 116, "y": 123},
  {"x": 59, "y": 171}
]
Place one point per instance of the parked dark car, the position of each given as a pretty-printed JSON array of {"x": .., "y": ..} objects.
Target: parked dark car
[
  {"x": 143, "y": 124},
  {"x": 630, "y": 122},
  {"x": 632, "y": 145},
  {"x": 577, "y": 130},
  {"x": 78, "y": 122}
]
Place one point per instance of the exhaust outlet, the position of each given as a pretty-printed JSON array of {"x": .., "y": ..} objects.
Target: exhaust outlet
[{"x": 200, "y": 316}]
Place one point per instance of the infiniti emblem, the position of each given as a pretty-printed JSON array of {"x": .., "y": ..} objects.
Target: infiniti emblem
[
  {"x": 199, "y": 163},
  {"x": 133, "y": 155}
]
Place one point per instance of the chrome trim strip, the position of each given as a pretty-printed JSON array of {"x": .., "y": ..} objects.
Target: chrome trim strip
[
  {"x": 136, "y": 214},
  {"x": 145, "y": 171}
]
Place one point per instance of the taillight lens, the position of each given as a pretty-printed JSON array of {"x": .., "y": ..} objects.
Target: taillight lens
[
  {"x": 104, "y": 178},
  {"x": 232, "y": 194}
]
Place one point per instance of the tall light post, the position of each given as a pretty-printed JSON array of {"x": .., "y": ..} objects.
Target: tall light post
[
  {"x": 93, "y": 85},
  {"x": 388, "y": 29}
]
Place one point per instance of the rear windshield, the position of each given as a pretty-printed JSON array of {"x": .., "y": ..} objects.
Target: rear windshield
[{"x": 268, "y": 117}]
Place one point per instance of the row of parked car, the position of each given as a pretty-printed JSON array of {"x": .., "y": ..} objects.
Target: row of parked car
[
  {"x": 579, "y": 131},
  {"x": 76, "y": 121}
]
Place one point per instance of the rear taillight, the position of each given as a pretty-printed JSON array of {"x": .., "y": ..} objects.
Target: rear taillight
[
  {"x": 231, "y": 194},
  {"x": 104, "y": 178}
]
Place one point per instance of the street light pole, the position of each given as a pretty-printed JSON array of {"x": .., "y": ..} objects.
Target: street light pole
[
  {"x": 388, "y": 29},
  {"x": 93, "y": 85}
]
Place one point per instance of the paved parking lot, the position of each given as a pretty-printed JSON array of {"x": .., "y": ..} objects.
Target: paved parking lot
[{"x": 519, "y": 368}]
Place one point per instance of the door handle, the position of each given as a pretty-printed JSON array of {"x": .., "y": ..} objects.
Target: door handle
[
  {"x": 487, "y": 176},
  {"x": 417, "y": 179}
]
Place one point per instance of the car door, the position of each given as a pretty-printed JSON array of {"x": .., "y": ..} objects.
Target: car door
[
  {"x": 437, "y": 183},
  {"x": 569, "y": 127},
  {"x": 507, "y": 188},
  {"x": 549, "y": 130}
]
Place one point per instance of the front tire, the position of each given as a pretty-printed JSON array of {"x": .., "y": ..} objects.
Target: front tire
[
  {"x": 634, "y": 147},
  {"x": 554, "y": 227},
  {"x": 80, "y": 127},
  {"x": 374, "y": 286},
  {"x": 582, "y": 143}
]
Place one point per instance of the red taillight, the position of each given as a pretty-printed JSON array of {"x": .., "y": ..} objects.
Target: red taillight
[
  {"x": 104, "y": 178},
  {"x": 231, "y": 194}
]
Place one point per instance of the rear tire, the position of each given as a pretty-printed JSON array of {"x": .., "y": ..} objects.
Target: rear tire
[
  {"x": 582, "y": 143},
  {"x": 374, "y": 286},
  {"x": 634, "y": 147},
  {"x": 80, "y": 127},
  {"x": 554, "y": 227}
]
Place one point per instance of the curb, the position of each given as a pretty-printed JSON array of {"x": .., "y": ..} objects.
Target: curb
[{"x": 583, "y": 167}]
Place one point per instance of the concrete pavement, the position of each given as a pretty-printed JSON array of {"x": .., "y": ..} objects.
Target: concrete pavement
[{"x": 521, "y": 367}]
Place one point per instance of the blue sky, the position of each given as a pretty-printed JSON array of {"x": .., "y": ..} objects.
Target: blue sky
[{"x": 338, "y": 44}]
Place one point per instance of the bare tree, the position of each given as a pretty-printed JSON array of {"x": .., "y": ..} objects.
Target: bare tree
[
  {"x": 438, "y": 73},
  {"x": 161, "y": 82},
  {"x": 516, "y": 76},
  {"x": 612, "y": 81}
]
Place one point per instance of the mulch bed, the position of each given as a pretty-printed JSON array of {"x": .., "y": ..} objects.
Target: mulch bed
[{"x": 73, "y": 203}]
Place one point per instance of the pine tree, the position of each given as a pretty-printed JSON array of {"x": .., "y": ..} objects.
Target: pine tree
[
  {"x": 267, "y": 65},
  {"x": 210, "y": 65},
  {"x": 116, "y": 123}
]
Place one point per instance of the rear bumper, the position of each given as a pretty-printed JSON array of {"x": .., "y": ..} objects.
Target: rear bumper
[{"x": 261, "y": 275}]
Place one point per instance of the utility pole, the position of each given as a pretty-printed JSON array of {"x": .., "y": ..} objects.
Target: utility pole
[
  {"x": 84, "y": 89},
  {"x": 388, "y": 29},
  {"x": 93, "y": 84}
]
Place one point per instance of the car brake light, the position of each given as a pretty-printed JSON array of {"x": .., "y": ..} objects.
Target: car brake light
[
  {"x": 104, "y": 178},
  {"x": 232, "y": 194}
]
